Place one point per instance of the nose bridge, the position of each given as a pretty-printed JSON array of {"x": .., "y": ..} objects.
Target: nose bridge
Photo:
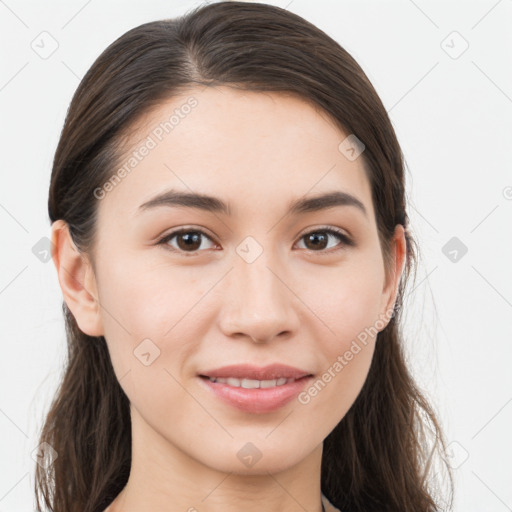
[{"x": 259, "y": 304}]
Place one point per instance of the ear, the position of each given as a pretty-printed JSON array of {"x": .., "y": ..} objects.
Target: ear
[
  {"x": 394, "y": 274},
  {"x": 77, "y": 280}
]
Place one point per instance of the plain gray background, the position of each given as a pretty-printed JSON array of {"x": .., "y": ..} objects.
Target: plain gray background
[{"x": 443, "y": 72}]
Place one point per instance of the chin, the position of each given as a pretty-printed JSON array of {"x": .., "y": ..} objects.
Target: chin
[{"x": 258, "y": 457}]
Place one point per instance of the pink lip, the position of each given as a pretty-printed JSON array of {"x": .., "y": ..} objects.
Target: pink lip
[{"x": 259, "y": 400}]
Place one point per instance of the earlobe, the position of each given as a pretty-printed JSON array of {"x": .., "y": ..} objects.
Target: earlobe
[{"x": 76, "y": 279}]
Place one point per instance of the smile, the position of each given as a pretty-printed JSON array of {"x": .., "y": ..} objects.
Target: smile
[{"x": 251, "y": 383}]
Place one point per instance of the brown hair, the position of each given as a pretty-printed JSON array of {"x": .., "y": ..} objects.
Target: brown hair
[{"x": 379, "y": 456}]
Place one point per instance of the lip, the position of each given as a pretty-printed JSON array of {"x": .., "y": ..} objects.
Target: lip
[
  {"x": 247, "y": 371},
  {"x": 257, "y": 400}
]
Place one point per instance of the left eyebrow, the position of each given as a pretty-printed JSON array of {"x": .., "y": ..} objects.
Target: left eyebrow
[
  {"x": 208, "y": 203},
  {"x": 324, "y": 201}
]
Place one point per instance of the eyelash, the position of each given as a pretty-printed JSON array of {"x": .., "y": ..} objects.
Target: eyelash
[{"x": 345, "y": 240}]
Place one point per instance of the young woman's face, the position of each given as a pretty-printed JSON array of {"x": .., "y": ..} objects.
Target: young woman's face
[{"x": 256, "y": 284}]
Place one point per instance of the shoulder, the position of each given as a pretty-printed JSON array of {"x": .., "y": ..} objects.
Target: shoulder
[{"x": 329, "y": 507}]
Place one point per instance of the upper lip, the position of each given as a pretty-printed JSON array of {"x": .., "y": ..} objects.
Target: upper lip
[{"x": 246, "y": 371}]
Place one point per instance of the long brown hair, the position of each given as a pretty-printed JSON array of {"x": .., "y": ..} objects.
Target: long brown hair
[{"x": 379, "y": 456}]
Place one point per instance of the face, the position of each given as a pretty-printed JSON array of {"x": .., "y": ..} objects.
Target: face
[{"x": 187, "y": 288}]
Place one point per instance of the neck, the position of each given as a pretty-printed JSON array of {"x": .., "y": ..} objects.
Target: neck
[{"x": 165, "y": 479}]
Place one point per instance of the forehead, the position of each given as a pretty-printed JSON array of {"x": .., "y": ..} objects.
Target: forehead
[{"x": 254, "y": 149}]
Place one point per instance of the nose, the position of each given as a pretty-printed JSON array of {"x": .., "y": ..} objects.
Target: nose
[{"x": 258, "y": 302}]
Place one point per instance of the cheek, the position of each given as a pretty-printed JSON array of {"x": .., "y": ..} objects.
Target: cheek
[
  {"x": 347, "y": 301},
  {"x": 331, "y": 394},
  {"x": 147, "y": 299},
  {"x": 150, "y": 316},
  {"x": 346, "y": 350},
  {"x": 348, "y": 304}
]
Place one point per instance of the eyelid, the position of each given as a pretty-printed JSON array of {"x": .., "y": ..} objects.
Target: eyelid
[
  {"x": 346, "y": 239},
  {"x": 186, "y": 229}
]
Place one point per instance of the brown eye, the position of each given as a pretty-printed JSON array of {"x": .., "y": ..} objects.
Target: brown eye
[
  {"x": 189, "y": 241},
  {"x": 318, "y": 240}
]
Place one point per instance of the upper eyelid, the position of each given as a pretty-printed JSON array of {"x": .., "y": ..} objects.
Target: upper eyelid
[{"x": 333, "y": 231}]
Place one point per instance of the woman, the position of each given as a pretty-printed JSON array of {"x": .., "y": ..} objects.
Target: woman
[{"x": 231, "y": 240}]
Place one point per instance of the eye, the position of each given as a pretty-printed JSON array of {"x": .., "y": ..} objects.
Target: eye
[
  {"x": 191, "y": 240},
  {"x": 188, "y": 240},
  {"x": 318, "y": 240}
]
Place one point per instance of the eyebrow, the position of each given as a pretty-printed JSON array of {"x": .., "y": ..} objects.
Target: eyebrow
[{"x": 208, "y": 203}]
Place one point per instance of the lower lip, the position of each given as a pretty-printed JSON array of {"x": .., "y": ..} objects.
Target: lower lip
[{"x": 258, "y": 400}]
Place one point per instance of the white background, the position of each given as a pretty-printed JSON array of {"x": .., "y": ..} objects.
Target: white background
[{"x": 453, "y": 118}]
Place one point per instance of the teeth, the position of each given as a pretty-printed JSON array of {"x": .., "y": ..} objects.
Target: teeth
[{"x": 251, "y": 383}]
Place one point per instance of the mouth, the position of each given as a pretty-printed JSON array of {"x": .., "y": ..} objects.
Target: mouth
[
  {"x": 255, "y": 390},
  {"x": 252, "y": 383}
]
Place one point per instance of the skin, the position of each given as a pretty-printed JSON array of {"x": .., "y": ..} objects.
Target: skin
[{"x": 257, "y": 151}]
